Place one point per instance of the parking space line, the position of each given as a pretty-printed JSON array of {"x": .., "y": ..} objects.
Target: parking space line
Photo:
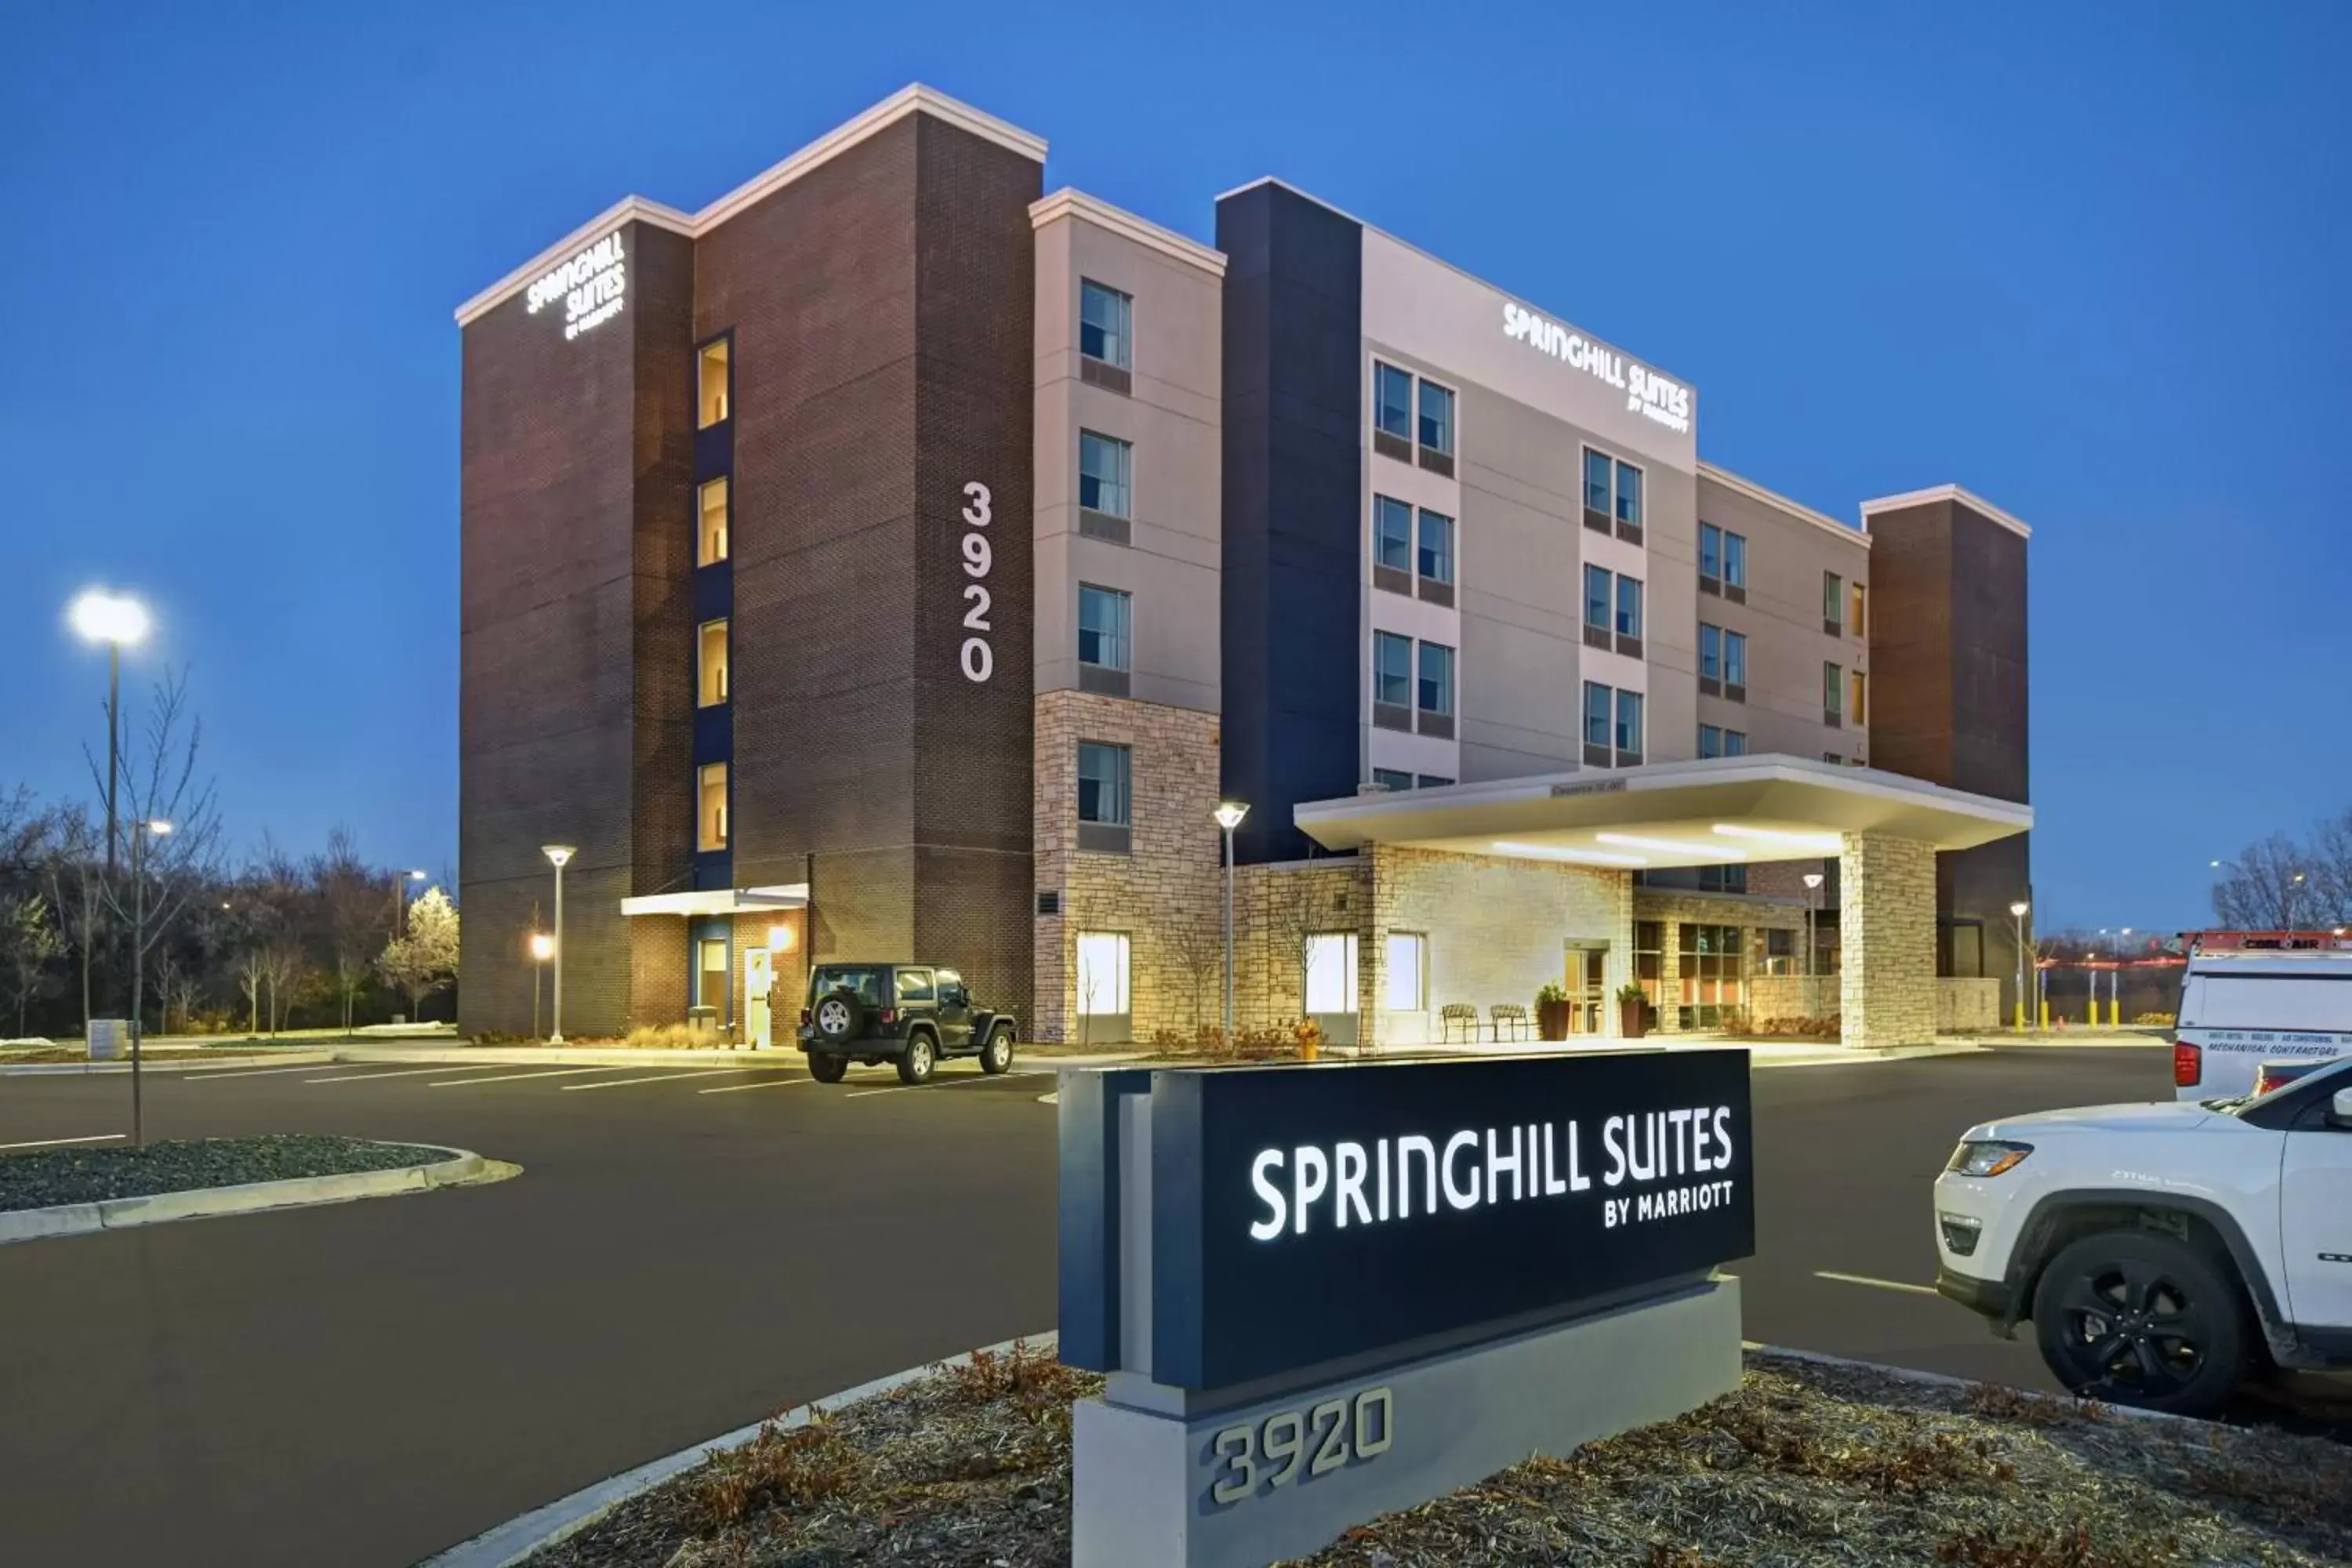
[
  {"x": 516, "y": 1077},
  {"x": 1876, "y": 1284},
  {"x": 660, "y": 1078},
  {"x": 53, "y": 1142},
  {"x": 960, "y": 1080},
  {"x": 777, "y": 1080},
  {"x": 405, "y": 1072},
  {"x": 206, "y": 1076}
]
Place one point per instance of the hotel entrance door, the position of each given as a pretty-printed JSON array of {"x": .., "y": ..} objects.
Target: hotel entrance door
[{"x": 1586, "y": 992}]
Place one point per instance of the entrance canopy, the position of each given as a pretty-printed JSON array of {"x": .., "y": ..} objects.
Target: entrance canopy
[
  {"x": 1712, "y": 812},
  {"x": 720, "y": 902}
]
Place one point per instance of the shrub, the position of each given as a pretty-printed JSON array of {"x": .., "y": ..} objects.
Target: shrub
[
  {"x": 778, "y": 1468},
  {"x": 674, "y": 1036},
  {"x": 2160, "y": 1020}
]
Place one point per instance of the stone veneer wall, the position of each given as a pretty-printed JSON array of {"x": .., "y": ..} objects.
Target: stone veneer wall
[
  {"x": 1276, "y": 906},
  {"x": 1967, "y": 1006},
  {"x": 1776, "y": 997},
  {"x": 1165, "y": 894},
  {"x": 1498, "y": 929},
  {"x": 1886, "y": 991}
]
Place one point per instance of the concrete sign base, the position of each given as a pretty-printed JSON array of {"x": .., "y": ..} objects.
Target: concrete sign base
[{"x": 1161, "y": 1481}]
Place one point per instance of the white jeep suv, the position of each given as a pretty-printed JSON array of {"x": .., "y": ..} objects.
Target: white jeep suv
[{"x": 2162, "y": 1251}]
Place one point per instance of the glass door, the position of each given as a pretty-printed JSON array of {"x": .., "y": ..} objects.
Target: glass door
[{"x": 1586, "y": 996}]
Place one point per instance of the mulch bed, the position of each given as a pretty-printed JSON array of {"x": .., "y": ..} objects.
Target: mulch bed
[
  {"x": 37, "y": 1178},
  {"x": 1804, "y": 1465}
]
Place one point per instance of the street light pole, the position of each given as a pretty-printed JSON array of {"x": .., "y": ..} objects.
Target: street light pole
[
  {"x": 1229, "y": 816},
  {"x": 559, "y": 854},
  {"x": 117, "y": 620},
  {"x": 2018, "y": 909},
  {"x": 1812, "y": 897},
  {"x": 400, "y": 900},
  {"x": 140, "y": 833}
]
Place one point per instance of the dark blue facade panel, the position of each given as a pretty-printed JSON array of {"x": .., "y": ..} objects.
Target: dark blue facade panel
[{"x": 1293, "y": 461}]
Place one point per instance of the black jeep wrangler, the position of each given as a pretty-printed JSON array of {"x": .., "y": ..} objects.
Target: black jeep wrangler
[{"x": 910, "y": 1014}]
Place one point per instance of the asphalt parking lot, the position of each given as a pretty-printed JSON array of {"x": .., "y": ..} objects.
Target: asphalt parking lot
[{"x": 690, "y": 1247}]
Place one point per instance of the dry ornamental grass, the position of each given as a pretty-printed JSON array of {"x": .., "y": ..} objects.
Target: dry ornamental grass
[{"x": 1804, "y": 1465}]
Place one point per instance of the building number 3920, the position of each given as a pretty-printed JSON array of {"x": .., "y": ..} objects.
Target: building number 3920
[
  {"x": 978, "y": 658},
  {"x": 1319, "y": 1440}
]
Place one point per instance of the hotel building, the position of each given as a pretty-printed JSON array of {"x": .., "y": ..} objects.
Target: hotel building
[{"x": 893, "y": 560}]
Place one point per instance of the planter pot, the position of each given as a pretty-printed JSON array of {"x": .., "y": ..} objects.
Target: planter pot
[
  {"x": 1551, "y": 1019},
  {"x": 1633, "y": 1019}
]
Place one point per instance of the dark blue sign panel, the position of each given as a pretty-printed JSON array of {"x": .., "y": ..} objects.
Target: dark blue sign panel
[{"x": 1304, "y": 1214}]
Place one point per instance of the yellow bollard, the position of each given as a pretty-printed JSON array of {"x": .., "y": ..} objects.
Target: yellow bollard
[
  {"x": 2045, "y": 1014},
  {"x": 2115, "y": 1012},
  {"x": 2020, "y": 1024}
]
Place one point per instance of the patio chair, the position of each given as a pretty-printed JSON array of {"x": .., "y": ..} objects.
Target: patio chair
[
  {"x": 1457, "y": 1015},
  {"x": 1512, "y": 1016}
]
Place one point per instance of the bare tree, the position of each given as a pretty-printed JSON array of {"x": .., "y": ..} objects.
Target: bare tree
[
  {"x": 353, "y": 901},
  {"x": 283, "y": 968},
  {"x": 75, "y": 873},
  {"x": 2330, "y": 874},
  {"x": 2267, "y": 886},
  {"x": 1198, "y": 951},
  {"x": 173, "y": 831},
  {"x": 29, "y": 943}
]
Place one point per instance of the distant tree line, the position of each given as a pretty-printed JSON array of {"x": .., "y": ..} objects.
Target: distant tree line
[
  {"x": 2283, "y": 883},
  {"x": 169, "y": 930}
]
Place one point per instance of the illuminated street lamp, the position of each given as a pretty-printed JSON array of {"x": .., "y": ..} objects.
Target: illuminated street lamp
[
  {"x": 542, "y": 948},
  {"x": 1229, "y": 814},
  {"x": 118, "y": 621},
  {"x": 2018, "y": 909},
  {"x": 400, "y": 880},
  {"x": 559, "y": 854}
]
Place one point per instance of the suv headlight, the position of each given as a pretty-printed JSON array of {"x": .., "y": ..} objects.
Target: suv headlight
[{"x": 1987, "y": 1157}]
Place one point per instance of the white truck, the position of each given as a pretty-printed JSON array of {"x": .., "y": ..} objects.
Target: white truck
[
  {"x": 2163, "y": 1252},
  {"x": 2249, "y": 997}
]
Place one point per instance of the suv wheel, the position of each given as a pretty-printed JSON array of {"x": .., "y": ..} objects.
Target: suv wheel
[
  {"x": 827, "y": 1067},
  {"x": 916, "y": 1065},
  {"x": 2138, "y": 1318},
  {"x": 839, "y": 1016},
  {"x": 997, "y": 1054}
]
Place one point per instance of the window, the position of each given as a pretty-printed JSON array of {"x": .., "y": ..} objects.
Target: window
[
  {"x": 1103, "y": 463},
  {"x": 1780, "y": 953},
  {"x": 710, "y": 808},
  {"x": 1629, "y": 725},
  {"x": 710, "y": 664},
  {"x": 1392, "y": 534},
  {"x": 1436, "y": 418},
  {"x": 712, "y": 976},
  {"x": 1392, "y": 402},
  {"x": 1711, "y": 958},
  {"x": 1710, "y": 652},
  {"x": 1723, "y": 879},
  {"x": 1406, "y": 981},
  {"x": 1858, "y": 620},
  {"x": 1431, "y": 780},
  {"x": 713, "y": 397},
  {"x": 1735, "y": 742},
  {"x": 1596, "y": 714},
  {"x": 914, "y": 985},
  {"x": 1735, "y": 664},
  {"x": 1629, "y": 607},
  {"x": 1393, "y": 779},
  {"x": 1629, "y": 495},
  {"x": 1102, "y": 974},
  {"x": 1597, "y": 481},
  {"x": 1710, "y": 741},
  {"x": 1833, "y": 604},
  {"x": 1436, "y": 546},
  {"x": 1735, "y": 561},
  {"x": 1102, "y": 783},
  {"x": 713, "y": 531},
  {"x": 1596, "y": 597},
  {"x": 1392, "y": 670},
  {"x": 1833, "y": 694},
  {"x": 1710, "y": 553},
  {"x": 1858, "y": 711},
  {"x": 1104, "y": 319},
  {"x": 1102, "y": 627},
  {"x": 1649, "y": 948},
  {"x": 1330, "y": 962},
  {"x": 1832, "y": 757},
  {"x": 1436, "y": 691}
]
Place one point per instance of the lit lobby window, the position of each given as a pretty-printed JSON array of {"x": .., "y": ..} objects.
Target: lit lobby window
[
  {"x": 711, "y": 809},
  {"x": 713, "y": 401},
  {"x": 710, "y": 685},
  {"x": 713, "y": 531}
]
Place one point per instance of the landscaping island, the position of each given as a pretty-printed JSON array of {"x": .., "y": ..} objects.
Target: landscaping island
[
  {"x": 42, "y": 1178},
  {"x": 1806, "y": 1463}
]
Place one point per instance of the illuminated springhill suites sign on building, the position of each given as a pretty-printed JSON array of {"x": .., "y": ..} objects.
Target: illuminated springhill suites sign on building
[
  {"x": 1657, "y": 398},
  {"x": 591, "y": 286}
]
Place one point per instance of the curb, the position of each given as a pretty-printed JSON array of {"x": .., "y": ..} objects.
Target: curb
[
  {"x": 173, "y": 1064},
  {"x": 463, "y": 1168},
  {"x": 1939, "y": 1379},
  {"x": 503, "y": 1545}
]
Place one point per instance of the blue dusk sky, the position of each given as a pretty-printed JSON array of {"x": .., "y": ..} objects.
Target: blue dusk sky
[{"x": 2086, "y": 260}]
